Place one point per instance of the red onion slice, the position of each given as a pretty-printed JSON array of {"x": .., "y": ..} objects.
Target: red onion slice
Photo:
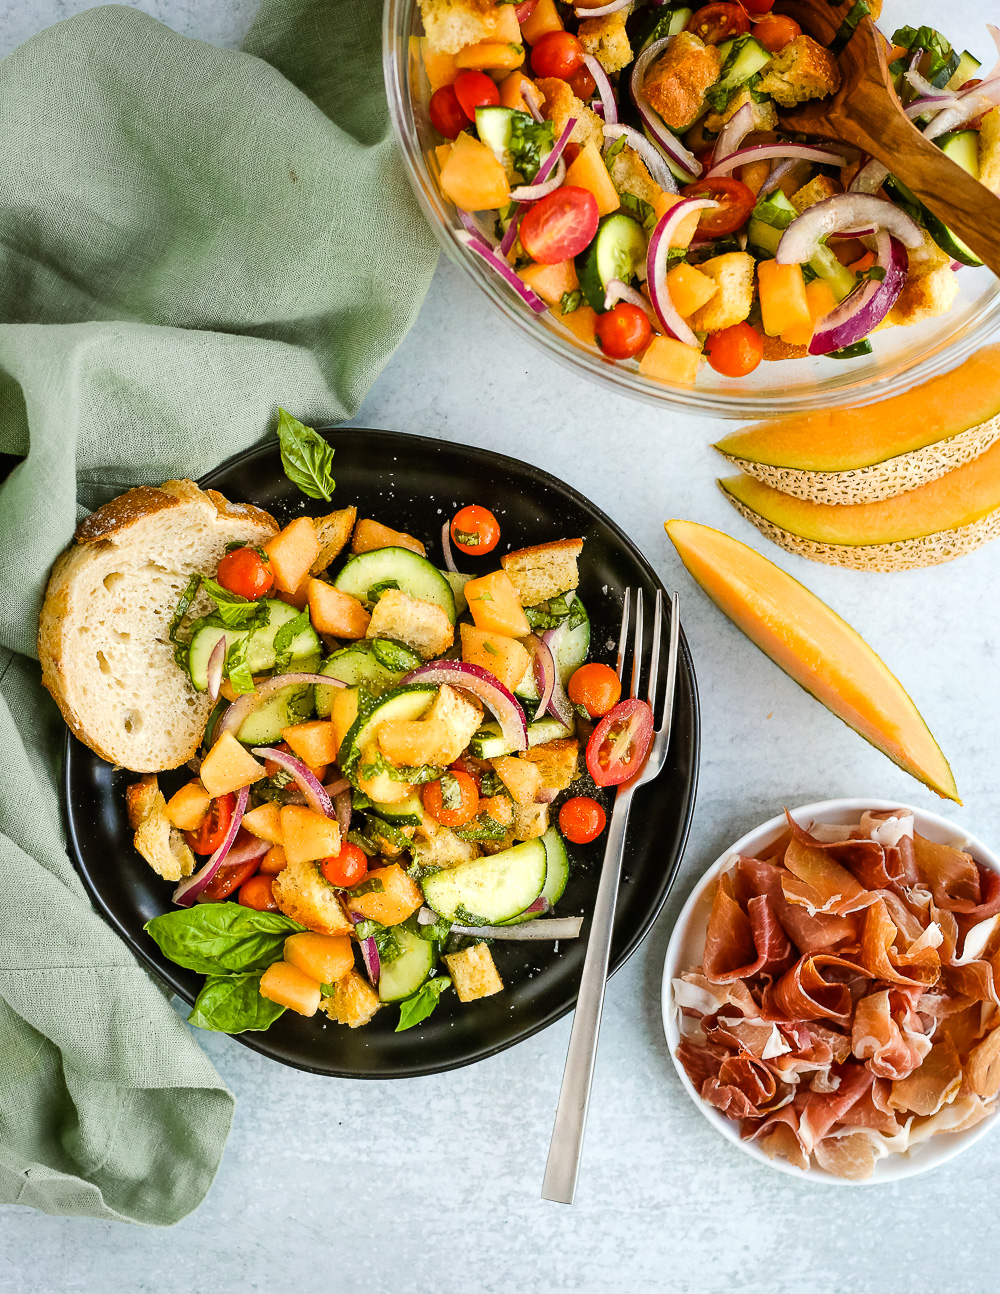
[
  {"x": 532, "y": 192},
  {"x": 342, "y": 810},
  {"x": 474, "y": 228},
  {"x": 554, "y": 928},
  {"x": 652, "y": 121},
  {"x": 510, "y": 234},
  {"x": 486, "y": 688},
  {"x": 449, "y": 560},
  {"x": 560, "y": 706},
  {"x": 619, "y": 291},
  {"x": 497, "y": 262},
  {"x": 656, "y": 267},
  {"x": 216, "y": 663},
  {"x": 864, "y": 308},
  {"x": 334, "y": 788},
  {"x": 604, "y": 89},
  {"x": 250, "y": 848},
  {"x": 604, "y": 10},
  {"x": 305, "y": 779},
  {"x": 734, "y": 131},
  {"x": 765, "y": 152},
  {"x": 373, "y": 963},
  {"x": 778, "y": 173},
  {"x": 539, "y": 905},
  {"x": 234, "y": 718},
  {"x": 802, "y": 238},
  {"x": 532, "y": 96},
  {"x": 192, "y": 886},
  {"x": 869, "y": 178},
  {"x": 545, "y": 672},
  {"x": 655, "y": 163}
]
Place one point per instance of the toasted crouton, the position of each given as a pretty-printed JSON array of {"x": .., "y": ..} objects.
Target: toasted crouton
[
  {"x": 353, "y": 1003},
  {"x": 765, "y": 116},
  {"x": 606, "y": 40},
  {"x": 818, "y": 189},
  {"x": 302, "y": 894},
  {"x": 989, "y": 151},
  {"x": 473, "y": 973},
  {"x": 630, "y": 175},
  {"x": 544, "y": 571},
  {"x": 424, "y": 626},
  {"x": 925, "y": 296},
  {"x": 560, "y": 103},
  {"x": 441, "y": 847},
  {"x": 332, "y": 533},
  {"x": 160, "y": 843},
  {"x": 775, "y": 348},
  {"x": 801, "y": 70},
  {"x": 452, "y": 24},
  {"x": 676, "y": 82},
  {"x": 556, "y": 761},
  {"x": 733, "y": 275}
]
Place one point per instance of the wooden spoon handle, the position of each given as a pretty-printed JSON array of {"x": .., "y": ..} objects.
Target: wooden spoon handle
[{"x": 967, "y": 207}]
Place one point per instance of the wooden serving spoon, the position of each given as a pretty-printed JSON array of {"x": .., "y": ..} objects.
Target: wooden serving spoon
[{"x": 866, "y": 112}]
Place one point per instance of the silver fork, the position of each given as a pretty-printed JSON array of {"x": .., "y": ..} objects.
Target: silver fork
[{"x": 566, "y": 1146}]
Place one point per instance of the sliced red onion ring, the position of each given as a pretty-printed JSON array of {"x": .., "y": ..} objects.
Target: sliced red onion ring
[
  {"x": 866, "y": 231},
  {"x": 764, "y": 152},
  {"x": 869, "y": 178},
  {"x": 497, "y": 262},
  {"x": 604, "y": 89},
  {"x": 510, "y": 233},
  {"x": 334, "y": 788},
  {"x": 554, "y": 928},
  {"x": 920, "y": 83},
  {"x": 656, "y": 267},
  {"x": 539, "y": 905},
  {"x": 234, "y": 718},
  {"x": 560, "y": 707},
  {"x": 864, "y": 308},
  {"x": 253, "y": 847},
  {"x": 805, "y": 234},
  {"x": 532, "y": 96},
  {"x": 305, "y": 779},
  {"x": 921, "y": 107},
  {"x": 216, "y": 662},
  {"x": 604, "y": 10},
  {"x": 545, "y": 672},
  {"x": 619, "y": 291},
  {"x": 426, "y": 916},
  {"x": 655, "y": 163},
  {"x": 482, "y": 684},
  {"x": 734, "y": 131},
  {"x": 449, "y": 560},
  {"x": 473, "y": 226},
  {"x": 778, "y": 173},
  {"x": 652, "y": 121},
  {"x": 192, "y": 886},
  {"x": 545, "y": 795},
  {"x": 510, "y": 237},
  {"x": 532, "y": 192},
  {"x": 373, "y": 963},
  {"x": 597, "y": 107},
  {"x": 342, "y": 810}
]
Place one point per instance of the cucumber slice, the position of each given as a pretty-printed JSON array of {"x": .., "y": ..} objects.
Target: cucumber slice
[
  {"x": 771, "y": 217},
  {"x": 356, "y": 666},
  {"x": 260, "y": 650},
  {"x": 488, "y": 743},
  {"x": 493, "y": 128},
  {"x": 741, "y": 59},
  {"x": 458, "y": 583},
  {"x": 617, "y": 251},
  {"x": 407, "y": 813},
  {"x": 493, "y": 889},
  {"x": 962, "y": 146},
  {"x": 413, "y": 574},
  {"x": 938, "y": 230},
  {"x": 408, "y": 702},
  {"x": 395, "y": 656},
  {"x": 968, "y": 66},
  {"x": 825, "y": 265},
  {"x": 290, "y": 706},
  {"x": 557, "y": 866},
  {"x": 667, "y": 25},
  {"x": 203, "y": 641},
  {"x": 404, "y": 974}
]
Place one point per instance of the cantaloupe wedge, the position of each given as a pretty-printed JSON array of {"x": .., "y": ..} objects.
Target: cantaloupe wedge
[
  {"x": 862, "y": 455},
  {"x": 941, "y": 520},
  {"x": 815, "y": 647}
]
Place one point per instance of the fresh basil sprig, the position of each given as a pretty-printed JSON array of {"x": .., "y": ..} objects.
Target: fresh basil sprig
[
  {"x": 220, "y": 938},
  {"x": 422, "y": 1003},
  {"x": 233, "y": 1004},
  {"x": 306, "y": 458},
  {"x": 181, "y": 648},
  {"x": 284, "y": 638},
  {"x": 237, "y": 667},
  {"x": 234, "y": 611}
]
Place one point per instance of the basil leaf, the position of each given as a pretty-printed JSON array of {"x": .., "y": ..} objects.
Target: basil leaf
[
  {"x": 181, "y": 649},
  {"x": 451, "y": 792},
  {"x": 284, "y": 638},
  {"x": 463, "y": 917},
  {"x": 570, "y": 301},
  {"x": 547, "y": 615},
  {"x": 385, "y": 941},
  {"x": 237, "y": 669},
  {"x": 482, "y": 828},
  {"x": 942, "y": 61},
  {"x": 376, "y": 590},
  {"x": 641, "y": 209},
  {"x": 529, "y": 140},
  {"x": 363, "y": 843},
  {"x": 422, "y": 1003},
  {"x": 490, "y": 784},
  {"x": 393, "y": 655},
  {"x": 436, "y": 932},
  {"x": 233, "y": 1004},
  {"x": 415, "y": 773},
  {"x": 306, "y": 458},
  {"x": 613, "y": 151},
  {"x": 234, "y": 612},
  {"x": 420, "y": 871},
  {"x": 219, "y": 938}
]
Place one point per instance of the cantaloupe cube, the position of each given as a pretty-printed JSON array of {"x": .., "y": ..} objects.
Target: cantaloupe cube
[
  {"x": 499, "y": 809},
  {"x": 324, "y": 958},
  {"x": 292, "y": 551},
  {"x": 753, "y": 175},
  {"x": 299, "y": 597},
  {"x": 188, "y": 806},
  {"x": 381, "y": 788},
  {"x": 439, "y": 736},
  {"x": 508, "y": 29},
  {"x": 229, "y": 766},
  {"x": 473, "y": 178},
  {"x": 495, "y": 607},
  {"x": 315, "y": 742},
  {"x": 783, "y": 301},
  {"x": 588, "y": 171},
  {"x": 273, "y": 862},
  {"x": 336, "y": 613},
  {"x": 512, "y": 91},
  {"x": 369, "y": 535},
  {"x": 519, "y": 776},
  {"x": 441, "y": 153},
  {"x": 685, "y": 231},
  {"x": 689, "y": 289},
  {"x": 543, "y": 18},
  {"x": 440, "y": 67},
  {"x": 495, "y": 55},
  {"x": 551, "y": 282},
  {"x": 343, "y": 712},
  {"x": 669, "y": 360},
  {"x": 399, "y": 897},
  {"x": 307, "y": 835},
  {"x": 505, "y": 658},
  {"x": 581, "y": 323},
  {"x": 265, "y": 822},
  {"x": 821, "y": 300},
  {"x": 288, "y": 986},
  {"x": 354, "y": 1001}
]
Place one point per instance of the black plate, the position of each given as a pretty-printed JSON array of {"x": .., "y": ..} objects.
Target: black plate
[{"x": 414, "y": 483}]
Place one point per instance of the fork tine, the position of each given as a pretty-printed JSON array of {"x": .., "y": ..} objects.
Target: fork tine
[
  {"x": 637, "y": 644},
  {"x": 623, "y": 635},
  {"x": 672, "y": 654},
  {"x": 654, "y": 668}
]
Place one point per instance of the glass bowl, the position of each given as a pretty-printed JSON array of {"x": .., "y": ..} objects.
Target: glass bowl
[{"x": 903, "y": 356}]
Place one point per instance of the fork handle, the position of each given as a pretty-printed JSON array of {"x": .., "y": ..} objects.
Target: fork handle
[{"x": 563, "y": 1165}]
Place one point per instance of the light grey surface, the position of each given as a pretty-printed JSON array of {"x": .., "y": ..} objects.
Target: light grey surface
[{"x": 433, "y": 1184}]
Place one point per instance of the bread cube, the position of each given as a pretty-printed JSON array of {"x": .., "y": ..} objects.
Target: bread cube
[
  {"x": 424, "y": 626},
  {"x": 302, "y": 894},
  {"x": 156, "y": 839},
  {"x": 560, "y": 103},
  {"x": 989, "y": 151},
  {"x": 530, "y": 821},
  {"x": 733, "y": 273},
  {"x": 292, "y": 552},
  {"x": 676, "y": 81},
  {"x": 399, "y": 897},
  {"x": 473, "y": 973},
  {"x": 437, "y": 846},
  {"x": 606, "y": 40},
  {"x": 228, "y": 766},
  {"x": 803, "y": 69},
  {"x": 819, "y": 188},
  {"x": 543, "y": 571},
  {"x": 556, "y": 762},
  {"x": 333, "y": 533},
  {"x": 765, "y": 116},
  {"x": 307, "y": 835},
  {"x": 439, "y": 737},
  {"x": 521, "y": 777},
  {"x": 354, "y": 1001},
  {"x": 369, "y": 535}
]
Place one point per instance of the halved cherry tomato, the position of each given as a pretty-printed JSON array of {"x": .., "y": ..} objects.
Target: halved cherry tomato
[
  {"x": 475, "y": 530},
  {"x": 557, "y": 53},
  {"x": 228, "y": 879},
  {"x": 735, "y": 351},
  {"x": 775, "y": 31},
  {"x": 523, "y": 12},
  {"x": 718, "y": 22},
  {"x": 596, "y": 687},
  {"x": 623, "y": 331},
  {"x": 447, "y": 115},
  {"x": 463, "y": 812},
  {"x": 582, "y": 84},
  {"x": 475, "y": 90},
  {"x": 348, "y": 868},
  {"x": 213, "y": 826},
  {"x": 757, "y": 8},
  {"x": 735, "y": 201},
  {"x": 257, "y": 893},
  {"x": 270, "y": 766},
  {"x": 620, "y": 742},
  {"x": 571, "y": 152},
  {"x": 245, "y": 572},
  {"x": 559, "y": 226},
  {"x": 581, "y": 820}
]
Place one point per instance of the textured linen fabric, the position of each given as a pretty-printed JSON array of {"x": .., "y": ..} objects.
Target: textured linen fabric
[{"x": 189, "y": 237}]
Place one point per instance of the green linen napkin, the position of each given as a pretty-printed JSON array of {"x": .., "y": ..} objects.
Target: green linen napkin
[{"x": 189, "y": 237}]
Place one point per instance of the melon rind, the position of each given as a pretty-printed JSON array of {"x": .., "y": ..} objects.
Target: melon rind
[
  {"x": 902, "y": 555},
  {"x": 882, "y": 480}
]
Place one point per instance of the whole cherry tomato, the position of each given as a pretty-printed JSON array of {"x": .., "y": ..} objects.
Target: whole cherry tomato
[
  {"x": 213, "y": 826},
  {"x": 583, "y": 84},
  {"x": 596, "y": 687},
  {"x": 559, "y": 226},
  {"x": 775, "y": 31},
  {"x": 245, "y": 572},
  {"x": 581, "y": 820},
  {"x": 346, "y": 869},
  {"x": 718, "y": 22},
  {"x": 463, "y": 800},
  {"x": 623, "y": 331},
  {"x": 475, "y": 530},
  {"x": 557, "y": 53},
  {"x": 447, "y": 115},
  {"x": 619, "y": 744},
  {"x": 257, "y": 893},
  {"x": 735, "y": 200},
  {"x": 475, "y": 90},
  {"x": 757, "y": 8},
  {"x": 735, "y": 351}
]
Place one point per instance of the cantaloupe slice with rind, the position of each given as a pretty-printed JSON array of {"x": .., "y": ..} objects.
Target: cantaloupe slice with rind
[
  {"x": 938, "y": 522},
  {"x": 849, "y": 456},
  {"x": 815, "y": 647}
]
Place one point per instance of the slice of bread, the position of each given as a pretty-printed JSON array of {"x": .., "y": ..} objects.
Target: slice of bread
[{"x": 103, "y": 638}]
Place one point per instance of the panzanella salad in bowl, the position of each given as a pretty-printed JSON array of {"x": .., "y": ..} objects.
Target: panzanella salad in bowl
[{"x": 617, "y": 178}]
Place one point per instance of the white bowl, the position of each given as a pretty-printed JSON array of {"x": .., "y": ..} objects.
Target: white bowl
[{"x": 685, "y": 952}]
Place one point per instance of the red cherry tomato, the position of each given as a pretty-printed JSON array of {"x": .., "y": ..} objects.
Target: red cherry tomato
[
  {"x": 257, "y": 893},
  {"x": 619, "y": 743},
  {"x": 447, "y": 115},
  {"x": 460, "y": 814},
  {"x": 213, "y": 826},
  {"x": 557, "y": 53},
  {"x": 271, "y": 767},
  {"x": 581, "y": 820},
  {"x": 775, "y": 31},
  {"x": 475, "y": 90},
  {"x": 346, "y": 869},
  {"x": 245, "y": 572},
  {"x": 230, "y": 876},
  {"x": 582, "y": 84},
  {"x": 560, "y": 226},
  {"x": 623, "y": 331},
  {"x": 757, "y": 8},
  {"x": 735, "y": 201},
  {"x": 571, "y": 152},
  {"x": 475, "y": 530},
  {"x": 523, "y": 12},
  {"x": 718, "y": 22},
  {"x": 735, "y": 351},
  {"x": 596, "y": 687}
]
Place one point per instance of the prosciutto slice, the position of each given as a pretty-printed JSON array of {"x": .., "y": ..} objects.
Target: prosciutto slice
[
  {"x": 812, "y": 990},
  {"x": 881, "y": 959},
  {"x": 892, "y": 1050},
  {"x": 809, "y": 932},
  {"x": 819, "y": 884},
  {"x": 934, "y": 1084},
  {"x": 742, "y": 944}
]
